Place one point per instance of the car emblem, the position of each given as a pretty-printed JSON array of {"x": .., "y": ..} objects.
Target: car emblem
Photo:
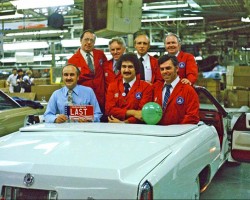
[{"x": 28, "y": 180}]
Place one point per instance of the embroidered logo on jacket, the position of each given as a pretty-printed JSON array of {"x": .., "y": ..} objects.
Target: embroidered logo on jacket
[
  {"x": 182, "y": 64},
  {"x": 180, "y": 100},
  {"x": 138, "y": 95}
]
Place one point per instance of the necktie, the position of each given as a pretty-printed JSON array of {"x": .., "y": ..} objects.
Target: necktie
[
  {"x": 115, "y": 69},
  {"x": 166, "y": 96},
  {"x": 142, "y": 72},
  {"x": 126, "y": 86},
  {"x": 90, "y": 63},
  {"x": 70, "y": 98}
]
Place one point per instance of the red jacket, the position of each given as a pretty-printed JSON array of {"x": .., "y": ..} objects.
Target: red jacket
[
  {"x": 187, "y": 67},
  {"x": 109, "y": 73},
  {"x": 117, "y": 104},
  {"x": 87, "y": 78},
  {"x": 182, "y": 106},
  {"x": 156, "y": 74}
]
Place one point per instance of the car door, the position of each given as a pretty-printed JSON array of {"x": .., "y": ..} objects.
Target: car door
[{"x": 240, "y": 141}]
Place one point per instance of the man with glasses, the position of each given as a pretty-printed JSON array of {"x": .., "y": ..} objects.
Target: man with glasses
[{"x": 90, "y": 63}]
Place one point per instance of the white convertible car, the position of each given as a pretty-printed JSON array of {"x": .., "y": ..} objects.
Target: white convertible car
[{"x": 122, "y": 161}]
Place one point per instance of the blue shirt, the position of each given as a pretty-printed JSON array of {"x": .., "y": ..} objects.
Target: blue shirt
[{"x": 82, "y": 95}]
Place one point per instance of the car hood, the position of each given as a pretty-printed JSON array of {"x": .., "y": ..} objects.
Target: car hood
[{"x": 92, "y": 151}]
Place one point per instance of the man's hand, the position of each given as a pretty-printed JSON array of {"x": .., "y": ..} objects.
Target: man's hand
[
  {"x": 135, "y": 113},
  {"x": 61, "y": 118},
  {"x": 113, "y": 119},
  {"x": 186, "y": 81},
  {"x": 138, "y": 115}
]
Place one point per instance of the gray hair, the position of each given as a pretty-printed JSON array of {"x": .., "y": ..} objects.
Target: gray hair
[
  {"x": 119, "y": 40},
  {"x": 172, "y": 34}
]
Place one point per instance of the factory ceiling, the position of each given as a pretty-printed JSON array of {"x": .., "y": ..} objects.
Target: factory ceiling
[{"x": 222, "y": 20}]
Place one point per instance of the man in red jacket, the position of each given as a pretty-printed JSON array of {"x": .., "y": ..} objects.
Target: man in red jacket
[
  {"x": 117, "y": 48},
  {"x": 151, "y": 72},
  {"x": 90, "y": 63},
  {"x": 126, "y": 96},
  {"x": 188, "y": 69},
  {"x": 180, "y": 102}
]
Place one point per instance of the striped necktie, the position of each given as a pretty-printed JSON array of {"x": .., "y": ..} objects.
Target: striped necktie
[
  {"x": 90, "y": 63},
  {"x": 166, "y": 96},
  {"x": 70, "y": 98}
]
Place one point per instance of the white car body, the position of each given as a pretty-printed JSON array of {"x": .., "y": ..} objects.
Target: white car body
[{"x": 115, "y": 161}]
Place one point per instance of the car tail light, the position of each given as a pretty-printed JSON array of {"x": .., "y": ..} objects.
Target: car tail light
[
  {"x": 9, "y": 193},
  {"x": 146, "y": 191}
]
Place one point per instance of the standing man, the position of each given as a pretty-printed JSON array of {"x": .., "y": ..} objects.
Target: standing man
[
  {"x": 126, "y": 96},
  {"x": 150, "y": 71},
  {"x": 90, "y": 62},
  {"x": 80, "y": 95},
  {"x": 117, "y": 48},
  {"x": 12, "y": 80},
  {"x": 188, "y": 69},
  {"x": 180, "y": 102}
]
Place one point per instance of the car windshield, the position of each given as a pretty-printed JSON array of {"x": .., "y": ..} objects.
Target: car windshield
[{"x": 7, "y": 103}]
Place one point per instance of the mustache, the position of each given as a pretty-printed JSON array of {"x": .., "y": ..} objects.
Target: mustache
[{"x": 128, "y": 73}]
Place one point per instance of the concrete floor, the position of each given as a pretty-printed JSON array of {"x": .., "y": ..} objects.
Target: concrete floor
[{"x": 232, "y": 181}]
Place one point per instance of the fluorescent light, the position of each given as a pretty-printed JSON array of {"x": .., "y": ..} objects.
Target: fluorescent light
[
  {"x": 172, "y": 19},
  {"x": 145, "y": 7},
  {"x": 24, "y": 45},
  {"x": 247, "y": 19},
  {"x": 77, "y": 43},
  {"x": 29, "y": 4},
  {"x": 37, "y": 32},
  {"x": 245, "y": 49},
  {"x": 15, "y": 16}
]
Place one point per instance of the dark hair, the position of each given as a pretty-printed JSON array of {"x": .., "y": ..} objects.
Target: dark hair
[
  {"x": 132, "y": 58},
  {"x": 77, "y": 69},
  {"x": 167, "y": 57},
  {"x": 88, "y": 31},
  {"x": 19, "y": 70}
]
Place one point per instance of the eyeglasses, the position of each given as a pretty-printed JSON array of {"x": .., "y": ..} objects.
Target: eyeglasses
[{"x": 89, "y": 40}]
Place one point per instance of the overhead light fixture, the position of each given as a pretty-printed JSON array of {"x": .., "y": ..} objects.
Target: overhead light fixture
[
  {"x": 172, "y": 19},
  {"x": 77, "y": 43},
  {"x": 31, "y": 4},
  {"x": 247, "y": 19},
  {"x": 10, "y": 15},
  {"x": 145, "y": 7},
  {"x": 245, "y": 49},
  {"x": 37, "y": 32},
  {"x": 24, "y": 45}
]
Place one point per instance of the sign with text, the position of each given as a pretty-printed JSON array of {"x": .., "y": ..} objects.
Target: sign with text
[{"x": 80, "y": 112}]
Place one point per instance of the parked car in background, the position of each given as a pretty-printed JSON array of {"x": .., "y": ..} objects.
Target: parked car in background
[
  {"x": 12, "y": 113},
  {"x": 123, "y": 161}
]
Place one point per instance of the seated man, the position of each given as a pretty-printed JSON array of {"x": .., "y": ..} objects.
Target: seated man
[
  {"x": 180, "y": 102},
  {"x": 81, "y": 95},
  {"x": 126, "y": 96}
]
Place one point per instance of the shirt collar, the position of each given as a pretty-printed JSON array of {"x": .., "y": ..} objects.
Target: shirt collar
[
  {"x": 75, "y": 90},
  {"x": 174, "y": 82},
  {"x": 85, "y": 53},
  {"x": 131, "y": 82}
]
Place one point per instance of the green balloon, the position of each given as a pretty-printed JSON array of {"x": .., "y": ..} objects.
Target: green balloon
[{"x": 151, "y": 113}]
